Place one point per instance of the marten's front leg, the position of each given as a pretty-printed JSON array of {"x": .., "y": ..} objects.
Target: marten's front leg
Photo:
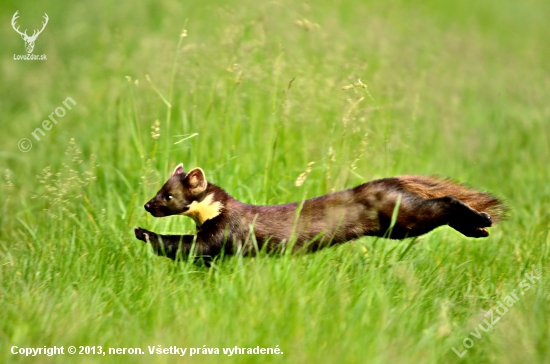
[{"x": 168, "y": 245}]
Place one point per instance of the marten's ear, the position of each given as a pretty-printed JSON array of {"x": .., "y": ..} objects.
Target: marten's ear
[
  {"x": 196, "y": 181},
  {"x": 178, "y": 170}
]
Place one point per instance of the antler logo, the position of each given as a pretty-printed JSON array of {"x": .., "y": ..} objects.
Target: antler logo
[{"x": 29, "y": 41}]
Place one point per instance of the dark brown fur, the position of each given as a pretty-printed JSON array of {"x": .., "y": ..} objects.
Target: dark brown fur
[{"x": 225, "y": 224}]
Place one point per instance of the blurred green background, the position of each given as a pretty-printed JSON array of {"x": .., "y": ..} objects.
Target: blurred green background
[{"x": 253, "y": 93}]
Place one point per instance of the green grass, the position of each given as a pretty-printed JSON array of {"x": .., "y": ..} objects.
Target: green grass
[{"x": 457, "y": 89}]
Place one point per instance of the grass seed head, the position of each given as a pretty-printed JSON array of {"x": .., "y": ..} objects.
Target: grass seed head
[{"x": 155, "y": 133}]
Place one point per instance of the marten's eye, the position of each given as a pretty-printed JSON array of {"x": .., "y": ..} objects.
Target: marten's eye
[{"x": 169, "y": 197}]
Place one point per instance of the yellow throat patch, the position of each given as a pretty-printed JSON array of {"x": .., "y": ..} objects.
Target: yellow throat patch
[{"x": 204, "y": 210}]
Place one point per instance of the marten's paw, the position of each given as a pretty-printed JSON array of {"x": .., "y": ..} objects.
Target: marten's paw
[
  {"x": 480, "y": 233},
  {"x": 142, "y": 234},
  {"x": 475, "y": 233},
  {"x": 486, "y": 220}
]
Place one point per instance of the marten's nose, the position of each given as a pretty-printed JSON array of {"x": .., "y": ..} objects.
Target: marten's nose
[{"x": 147, "y": 207}]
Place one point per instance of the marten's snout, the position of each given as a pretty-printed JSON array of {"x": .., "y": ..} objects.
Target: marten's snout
[{"x": 155, "y": 209}]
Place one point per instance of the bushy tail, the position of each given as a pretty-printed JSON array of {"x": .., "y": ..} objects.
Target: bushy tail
[{"x": 435, "y": 187}]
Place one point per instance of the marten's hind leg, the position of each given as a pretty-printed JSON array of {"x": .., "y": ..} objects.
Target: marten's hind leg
[
  {"x": 468, "y": 221},
  {"x": 464, "y": 219},
  {"x": 418, "y": 216}
]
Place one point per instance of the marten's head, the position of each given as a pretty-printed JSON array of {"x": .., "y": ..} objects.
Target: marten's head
[{"x": 185, "y": 194}]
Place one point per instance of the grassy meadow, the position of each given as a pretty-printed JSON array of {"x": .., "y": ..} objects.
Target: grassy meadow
[{"x": 253, "y": 93}]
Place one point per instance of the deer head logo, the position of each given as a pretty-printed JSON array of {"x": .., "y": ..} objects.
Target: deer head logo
[{"x": 29, "y": 41}]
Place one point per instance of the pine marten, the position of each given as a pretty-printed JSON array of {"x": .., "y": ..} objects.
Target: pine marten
[{"x": 420, "y": 203}]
